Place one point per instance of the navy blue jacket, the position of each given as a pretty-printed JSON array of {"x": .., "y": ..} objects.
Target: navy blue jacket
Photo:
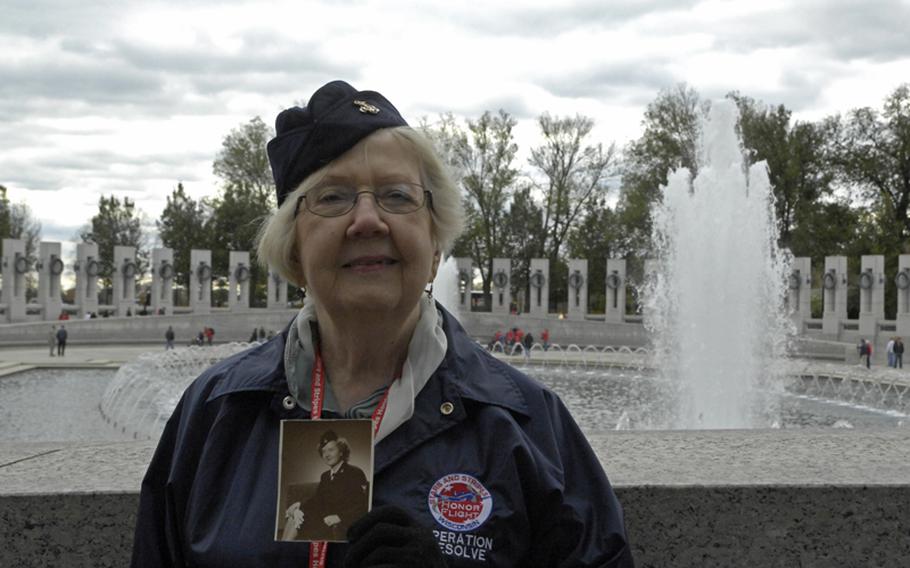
[{"x": 491, "y": 461}]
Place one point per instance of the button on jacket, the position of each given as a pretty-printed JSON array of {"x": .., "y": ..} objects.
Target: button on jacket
[{"x": 491, "y": 462}]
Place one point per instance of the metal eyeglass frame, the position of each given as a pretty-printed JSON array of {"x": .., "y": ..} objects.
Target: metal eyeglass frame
[{"x": 427, "y": 202}]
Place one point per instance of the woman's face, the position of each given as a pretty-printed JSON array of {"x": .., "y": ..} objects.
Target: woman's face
[
  {"x": 368, "y": 260},
  {"x": 331, "y": 454}
]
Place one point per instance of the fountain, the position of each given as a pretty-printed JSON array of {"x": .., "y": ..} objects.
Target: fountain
[
  {"x": 715, "y": 303},
  {"x": 445, "y": 285},
  {"x": 143, "y": 394}
]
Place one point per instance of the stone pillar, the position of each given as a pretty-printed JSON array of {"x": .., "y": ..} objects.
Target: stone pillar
[
  {"x": 902, "y": 281},
  {"x": 871, "y": 294},
  {"x": 50, "y": 267},
  {"x": 615, "y": 310},
  {"x": 278, "y": 291},
  {"x": 201, "y": 281},
  {"x": 87, "y": 268},
  {"x": 15, "y": 267},
  {"x": 540, "y": 287},
  {"x": 239, "y": 281},
  {"x": 125, "y": 272},
  {"x": 162, "y": 281},
  {"x": 834, "y": 285},
  {"x": 799, "y": 294},
  {"x": 465, "y": 268},
  {"x": 501, "y": 289},
  {"x": 578, "y": 288}
]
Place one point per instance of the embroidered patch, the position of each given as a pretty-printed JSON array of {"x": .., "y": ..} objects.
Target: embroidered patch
[{"x": 460, "y": 502}]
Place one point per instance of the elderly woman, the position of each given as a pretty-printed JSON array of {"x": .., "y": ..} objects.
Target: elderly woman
[{"x": 475, "y": 464}]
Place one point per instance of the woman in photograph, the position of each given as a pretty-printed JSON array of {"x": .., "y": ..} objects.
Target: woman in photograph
[
  {"x": 474, "y": 462},
  {"x": 340, "y": 498}
]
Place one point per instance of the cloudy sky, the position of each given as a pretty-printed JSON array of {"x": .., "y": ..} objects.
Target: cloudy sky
[{"x": 130, "y": 97}]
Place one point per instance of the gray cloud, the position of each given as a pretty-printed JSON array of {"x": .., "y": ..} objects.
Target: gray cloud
[
  {"x": 848, "y": 30},
  {"x": 534, "y": 21},
  {"x": 53, "y": 172},
  {"x": 44, "y": 18},
  {"x": 145, "y": 81},
  {"x": 60, "y": 230},
  {"x": 878, "y": 30},
  {"x": 514, "y": 104},
  {"x": 631, "y": 82}
]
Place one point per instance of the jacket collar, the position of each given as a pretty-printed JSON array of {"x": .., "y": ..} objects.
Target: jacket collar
[
  {"x": 260, "y": 368},
  {"x": 467, "y": 371},
  {"x": 476, "y": 374}
]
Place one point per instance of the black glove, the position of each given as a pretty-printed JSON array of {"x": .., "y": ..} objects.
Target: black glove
[{"x": 389, "y": 537}]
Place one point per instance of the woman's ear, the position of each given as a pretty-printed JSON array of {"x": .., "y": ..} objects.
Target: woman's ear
[{"x": 436, "y": 257}]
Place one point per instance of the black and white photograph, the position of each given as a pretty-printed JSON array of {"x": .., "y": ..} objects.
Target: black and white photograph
[{"x": 325, "y": 478}]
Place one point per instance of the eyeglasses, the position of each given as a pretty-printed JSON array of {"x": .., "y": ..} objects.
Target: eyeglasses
[{"x": 335, "y": 200}]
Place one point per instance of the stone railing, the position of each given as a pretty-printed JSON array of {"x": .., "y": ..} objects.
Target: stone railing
[{"x": 698, "y": 498}]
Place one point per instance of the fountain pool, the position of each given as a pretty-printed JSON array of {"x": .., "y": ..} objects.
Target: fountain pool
[{"x": 601, "y": 389}]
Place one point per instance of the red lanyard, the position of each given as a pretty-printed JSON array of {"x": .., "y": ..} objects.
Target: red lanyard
[{"x": 317, "y": 397}]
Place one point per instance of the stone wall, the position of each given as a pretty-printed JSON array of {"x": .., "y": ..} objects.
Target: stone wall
[{"x": 700, "y": 498}]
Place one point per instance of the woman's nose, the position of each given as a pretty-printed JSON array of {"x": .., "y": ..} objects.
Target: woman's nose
[{"x": 367, "y": 218}]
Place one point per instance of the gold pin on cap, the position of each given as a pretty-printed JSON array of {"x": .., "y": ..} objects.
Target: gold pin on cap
[{"x": 366, "y": 108}]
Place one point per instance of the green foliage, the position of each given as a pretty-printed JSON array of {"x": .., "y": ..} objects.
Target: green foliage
[
  {"x": 4, "y": 216},
  {"x": 482, "y": 158},
  {"x": 573, "y": 174},
  {"x": 873, "y": 156},
  {"x": 117, "y": 223},
  {"x": 523, "y": 220},
  {"x": 183, "y": 226},
  {"x": 671, "y": 128},
  {"x": 244, "y": 162},
  {"x": 246, "y": 199},
  {"x": 798, "y": 166},
  {"x": 594, "y": 238}
]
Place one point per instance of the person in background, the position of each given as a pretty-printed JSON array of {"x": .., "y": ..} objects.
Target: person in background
[
  {"x": 545, "y": 339},
  {"x": 899, "y": 353},
  {"x": 889, "y": 349},
  {"x": 497, "y": 339},
  {"x": 464, "y": 444},
  {"x": 61, "y": 341},
  {"x": 169, "y": 338},
  {"x": 527, "y": 342},
  {"x": 868, "y": 354}
]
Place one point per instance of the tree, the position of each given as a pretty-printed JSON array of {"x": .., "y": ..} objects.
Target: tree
[
  {"x": 183, "y": 226},
  {"x": 484, "y": 164},
  {"x": 246, "y": 198},
  {"x": 243, "y": 161},
  {"x": 669, "y": 141},
  {"x": 573, "y": 174},
  {"x": 237, "y": 214},
  {"x": 873, "y": 156},
  {"x": 117, "y": 223},
  {"x": 523, "y": 219},
  {"x": 798, "y": 166},
  {"x": 4, "y": 215},
  {"x": 18, "y": 222},
  {"x": 23, "y": 225}
]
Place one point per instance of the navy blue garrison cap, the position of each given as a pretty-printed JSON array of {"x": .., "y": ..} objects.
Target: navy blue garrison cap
[{"x": 336, "y": 118}]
